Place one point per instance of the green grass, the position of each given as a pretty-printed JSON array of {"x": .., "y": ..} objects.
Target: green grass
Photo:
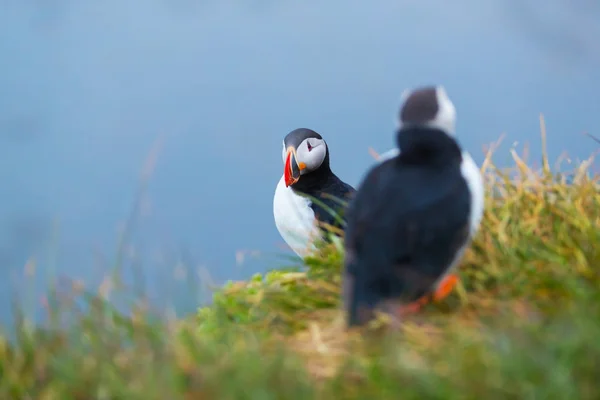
[{"x": 524, "y": 323}]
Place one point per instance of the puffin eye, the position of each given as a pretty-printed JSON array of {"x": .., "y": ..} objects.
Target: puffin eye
[{"x": 309, "y": 146}]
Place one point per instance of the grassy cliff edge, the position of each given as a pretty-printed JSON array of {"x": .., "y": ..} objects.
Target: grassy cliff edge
[{"x": 523, "y": 323}]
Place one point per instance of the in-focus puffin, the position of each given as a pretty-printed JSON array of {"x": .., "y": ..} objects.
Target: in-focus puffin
[
  {"x": 307, "y": 174},
  {"x": 413, "y": 214}
]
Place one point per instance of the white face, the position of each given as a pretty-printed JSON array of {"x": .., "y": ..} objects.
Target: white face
[
  {"x": 311, "y": 152},
  {"x": 445, "y": 118}
]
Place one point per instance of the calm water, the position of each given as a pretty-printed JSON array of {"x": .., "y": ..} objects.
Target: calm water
[{"x": 86, "y": 88}]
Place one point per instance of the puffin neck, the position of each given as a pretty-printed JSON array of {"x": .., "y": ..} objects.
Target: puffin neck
[
  {"x": 315, "y": 180},
  {"x": 425, "y": 145}
]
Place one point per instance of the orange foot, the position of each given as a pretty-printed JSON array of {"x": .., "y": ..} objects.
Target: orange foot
[
  {"x": 414, "y": 307},
  {"x": 443, "y": 290},
  {"x": 445, "y": 287}
]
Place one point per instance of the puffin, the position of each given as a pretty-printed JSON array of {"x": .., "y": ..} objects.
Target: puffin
[
  {"x": 413, "y": 215},
  {"x": 307, "y": 176}
]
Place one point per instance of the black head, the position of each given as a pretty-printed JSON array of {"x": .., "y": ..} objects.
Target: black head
[
  {"x": 428, "y": 106},
  {"x": 304, "y": 152},
  {"x": 297, "y": 136},
  {"x": 426, "y": 127}
]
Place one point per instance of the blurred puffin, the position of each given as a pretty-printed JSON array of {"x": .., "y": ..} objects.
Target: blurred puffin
[
  {"x": 413, "y": 214},
  {"x": 307, "y": 174}
]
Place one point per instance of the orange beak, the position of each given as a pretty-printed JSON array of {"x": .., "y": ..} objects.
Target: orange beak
[{"x": 292, "y": 169}]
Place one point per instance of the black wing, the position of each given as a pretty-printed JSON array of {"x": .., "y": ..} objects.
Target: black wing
[{"x": 334, "y": 198}]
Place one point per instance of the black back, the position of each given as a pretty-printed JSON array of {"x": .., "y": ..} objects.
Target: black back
[{"x": 406, "y": 222}]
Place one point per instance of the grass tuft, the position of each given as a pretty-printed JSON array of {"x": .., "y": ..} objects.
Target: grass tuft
[{"x": 523, "y": 323}]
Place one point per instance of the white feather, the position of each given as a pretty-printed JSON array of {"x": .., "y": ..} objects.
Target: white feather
[
  {"x": 294, "y": 219},
  {"x": 388, "y": 154},
  {"x": 445, "y": 119},
  {"x": 472, "y": 175}
]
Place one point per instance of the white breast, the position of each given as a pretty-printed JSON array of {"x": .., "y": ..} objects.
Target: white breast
[{"x": 294, "y": 218}]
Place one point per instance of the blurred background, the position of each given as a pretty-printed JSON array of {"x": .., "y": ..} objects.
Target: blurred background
[{"x": 88, "y": 87}]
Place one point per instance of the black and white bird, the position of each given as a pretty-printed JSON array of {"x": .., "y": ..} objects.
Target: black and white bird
[
  {"x": 307, "y": 174},
  {"x": 413, "y": 215}
]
